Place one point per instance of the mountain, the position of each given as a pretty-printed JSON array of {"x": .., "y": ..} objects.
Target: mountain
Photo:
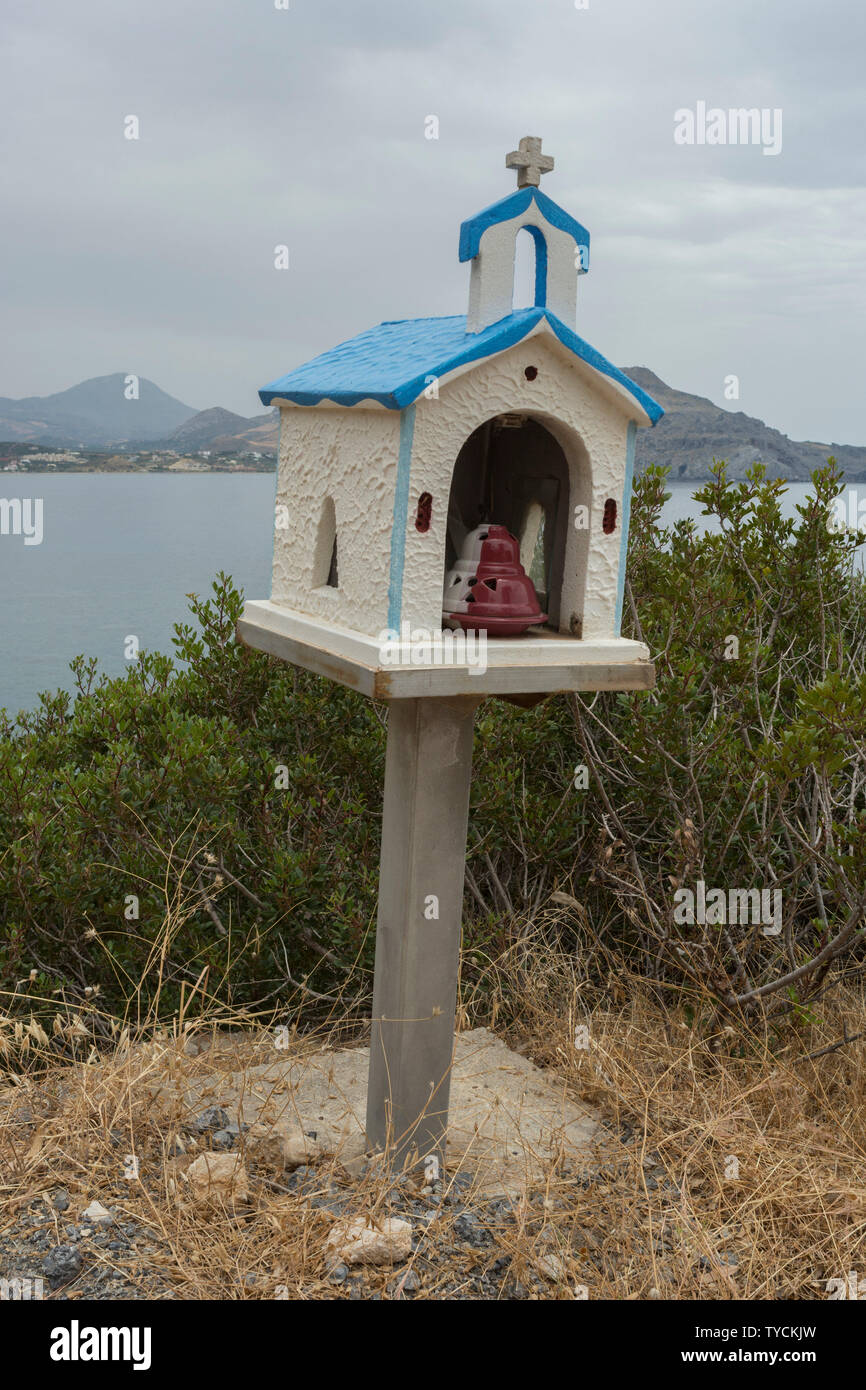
[
  {"x": 223, "y": 432},
  {"x": 94, "y": 413},
  {"x": 693, "y": 432},
  {"x": 201, "y": 429}
]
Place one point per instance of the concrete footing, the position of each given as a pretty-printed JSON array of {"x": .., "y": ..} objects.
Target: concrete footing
[{"x": 510, "y": 1122}]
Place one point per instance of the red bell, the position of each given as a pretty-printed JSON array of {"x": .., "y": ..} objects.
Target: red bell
[{"x": 488, "y": 589}]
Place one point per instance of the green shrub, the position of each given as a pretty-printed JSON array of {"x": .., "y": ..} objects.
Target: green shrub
[
  {"x": 163, "y": 786},
  {"x": 238, "y": 800}
]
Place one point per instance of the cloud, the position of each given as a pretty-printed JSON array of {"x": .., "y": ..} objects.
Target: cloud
[{"x": 306, "y": 127}]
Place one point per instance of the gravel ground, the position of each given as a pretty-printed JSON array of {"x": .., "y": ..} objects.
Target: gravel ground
[
  {"x": 462, "y": 1248},
  {"x": 579, "y": 1232},
  {"x": 102, "y": 1263},
  {"x": 460, "y": 1243}
]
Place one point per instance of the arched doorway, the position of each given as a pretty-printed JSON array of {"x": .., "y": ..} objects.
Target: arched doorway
[{"x": 512, "y": 471}]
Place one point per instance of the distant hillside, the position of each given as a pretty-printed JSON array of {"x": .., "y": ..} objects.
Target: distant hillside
[
  {"x": 224, "y": 432},
  {"x": 92, "y": 414},
  {"x": 693, "y": 432},
  {"x": 199, "y": 431}
]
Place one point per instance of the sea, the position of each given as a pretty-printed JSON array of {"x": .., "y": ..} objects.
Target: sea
[{"x": 119, "y": 553}]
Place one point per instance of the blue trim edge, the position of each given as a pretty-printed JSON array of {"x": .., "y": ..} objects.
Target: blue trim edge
[
  {"x": 626, "y": 518},
  {"x": 473, "y": 229},
  {"x": 446, "y": 352},
  {"x": 540, "y": 264},
  {"x": 401, "y": 521}
]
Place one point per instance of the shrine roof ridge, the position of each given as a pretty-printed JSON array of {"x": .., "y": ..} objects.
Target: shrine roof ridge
[
  {"x": 394, "y": 362},
  {"x": 472, "y": 230}
]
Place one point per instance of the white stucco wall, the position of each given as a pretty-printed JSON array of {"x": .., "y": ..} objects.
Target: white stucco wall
[
  {"x": 569, "y": 399},
  {"x": 349, "y": 454}
]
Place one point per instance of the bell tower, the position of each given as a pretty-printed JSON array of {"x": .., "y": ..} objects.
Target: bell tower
[{"x": 488, "y": 241}]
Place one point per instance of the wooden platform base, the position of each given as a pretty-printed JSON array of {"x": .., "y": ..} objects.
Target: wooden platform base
[{"x": 538, "y": 662}]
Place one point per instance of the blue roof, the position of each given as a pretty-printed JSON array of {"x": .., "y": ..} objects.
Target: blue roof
[
  {"x": 472, "y": 230},
  {"x": 393, "y": 362}
]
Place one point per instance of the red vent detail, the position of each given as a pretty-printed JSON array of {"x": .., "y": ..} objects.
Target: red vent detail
[
  {"x": 608, "y": 520},
  {"x": 424, "y": 514}
]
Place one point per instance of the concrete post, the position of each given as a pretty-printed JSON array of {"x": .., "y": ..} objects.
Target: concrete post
[{"x": 421, "y": 870}]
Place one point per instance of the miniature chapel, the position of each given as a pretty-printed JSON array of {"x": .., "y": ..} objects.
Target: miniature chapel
[{"x": 410, "y": 452}]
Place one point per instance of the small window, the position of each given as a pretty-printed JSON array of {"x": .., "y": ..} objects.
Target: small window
[
  {"x": 608, "y": 520},
  {"x": 325, "y": 571}
]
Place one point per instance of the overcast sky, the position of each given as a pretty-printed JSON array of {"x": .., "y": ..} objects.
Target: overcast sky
[{"x": 261, "y": 126}]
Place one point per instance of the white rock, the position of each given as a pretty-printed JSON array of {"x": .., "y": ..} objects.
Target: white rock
[
  {"x": 97, "y": 1215},
  {"x": 218, "y": 1178},
  {"x": 362, "y": 1242},
  {"x": 553, "y": 1268},
  {"x": 298, "y": 1148},
  {"x": 282, "y": 1145}
]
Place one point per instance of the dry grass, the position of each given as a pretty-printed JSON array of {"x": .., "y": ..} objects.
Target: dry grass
[
  {"x": 742, "y": 1172},
  {"x": 737, "y": 1148}
]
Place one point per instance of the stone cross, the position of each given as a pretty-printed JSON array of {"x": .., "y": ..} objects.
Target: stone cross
[{"x": 529, "y": 162}]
